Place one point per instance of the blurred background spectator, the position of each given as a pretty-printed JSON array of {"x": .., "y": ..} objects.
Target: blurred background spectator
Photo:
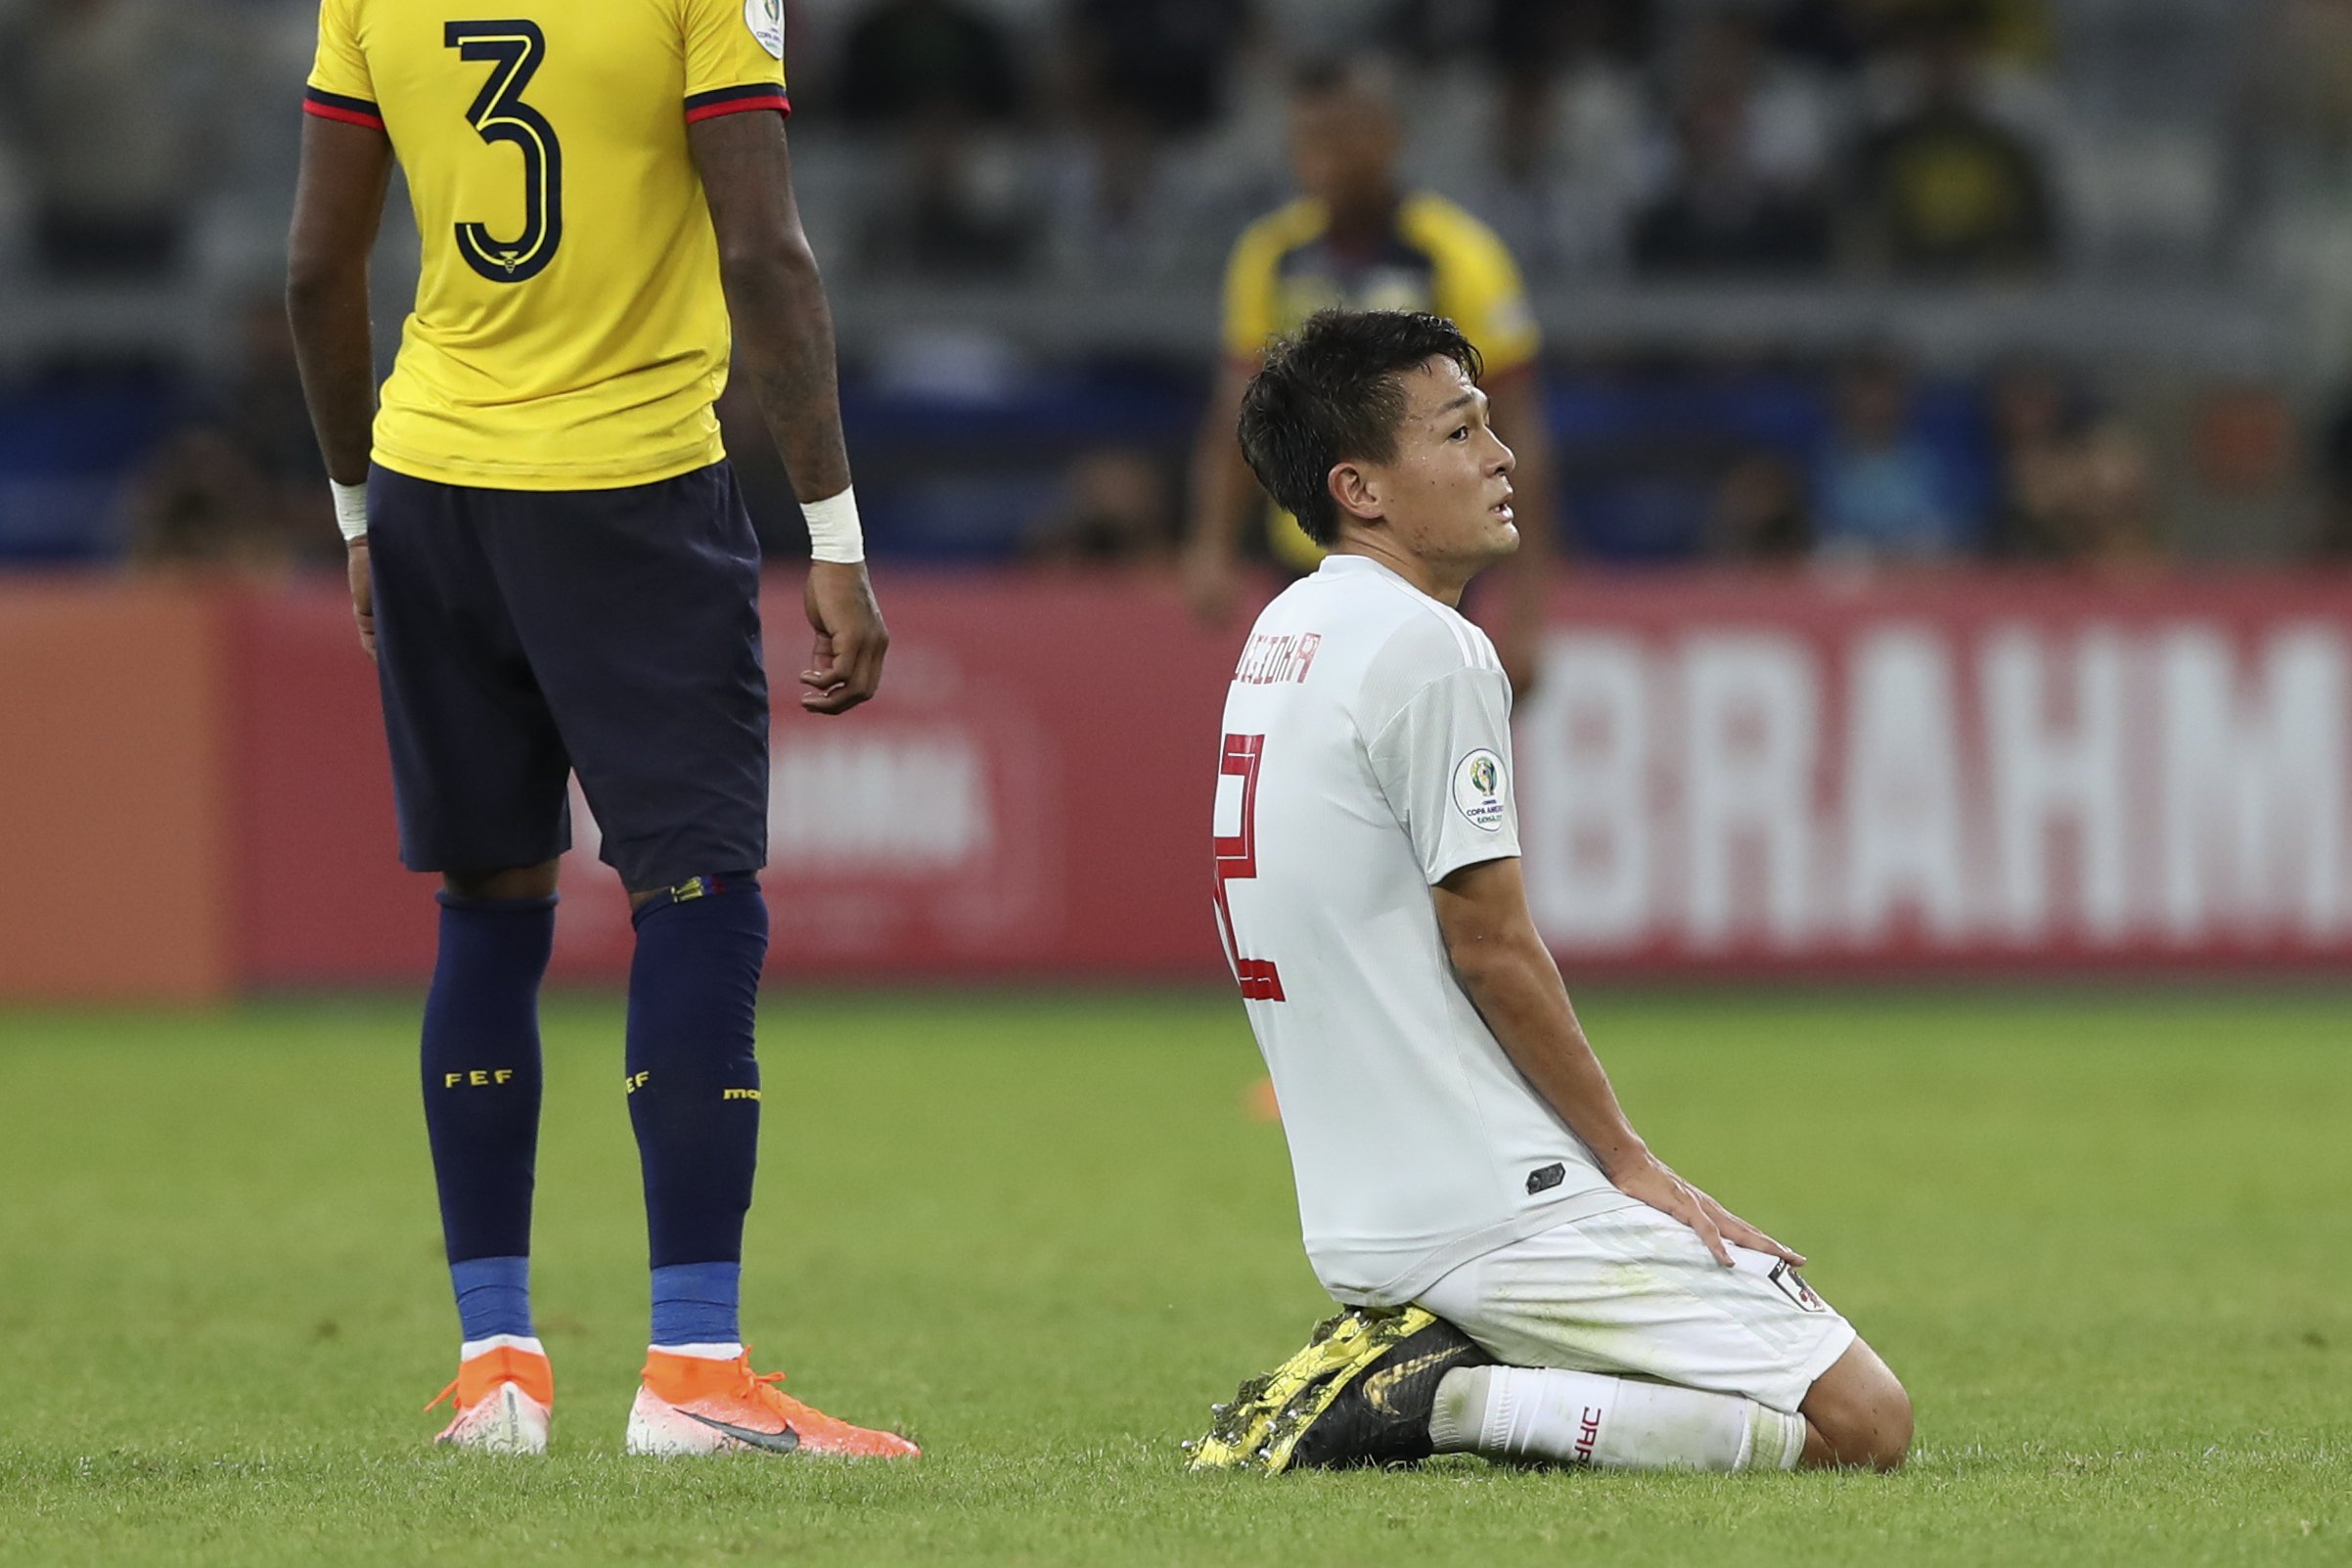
[
  {"x": 1884, "y": 491},
  {"x": 1165, "y": 63},
  {"x": 1945, "y": 189},
  {"x": 913, "y": 60},
  {"x": 1901, "y": 279},
  {"x": 1724, "y": 210},
  {"x": 109, "y": 186},
  {"x": 242, "y": 483},
  {"x": 1115, "y": 510}
]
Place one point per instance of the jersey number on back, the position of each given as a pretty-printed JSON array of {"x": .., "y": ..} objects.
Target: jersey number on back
[
  {"x": 499, "y": 114},
  {"x": 1237, "y": 861}
]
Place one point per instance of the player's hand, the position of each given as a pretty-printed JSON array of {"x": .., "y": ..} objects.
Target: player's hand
[
  {"x": 1209, "y": 585},
  {"x": 363, "y": 592},
  {"x": 847, "y": 665},
  {"x": 1655, "y": 1184}
]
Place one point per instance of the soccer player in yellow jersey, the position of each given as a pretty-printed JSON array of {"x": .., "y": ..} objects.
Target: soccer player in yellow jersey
[
  {"x": 1356, "y": 239},
  {"x": 553, "y": 570}
]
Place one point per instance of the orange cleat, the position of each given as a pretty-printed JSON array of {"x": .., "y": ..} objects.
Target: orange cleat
[
  {"x": 505, "y": 1395},
  {"x": 697, "y": 1405}
]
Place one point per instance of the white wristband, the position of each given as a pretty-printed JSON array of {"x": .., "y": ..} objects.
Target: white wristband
[
  {"x": 833, "y": 535},
  {"x": 350, "y": 509}
]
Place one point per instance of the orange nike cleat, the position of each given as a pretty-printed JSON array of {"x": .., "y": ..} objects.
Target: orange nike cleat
[
  {"x": 697, "y": 1405},
  {"x": 505, "y": 1395}
]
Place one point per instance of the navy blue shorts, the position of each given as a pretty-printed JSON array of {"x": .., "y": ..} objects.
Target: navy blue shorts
[{"x": 525, "y": 634}]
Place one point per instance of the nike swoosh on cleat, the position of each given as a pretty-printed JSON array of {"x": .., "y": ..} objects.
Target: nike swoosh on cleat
[
  {"x": 1377, "y": 1386},
  {"x": 784, "y": 1442}
]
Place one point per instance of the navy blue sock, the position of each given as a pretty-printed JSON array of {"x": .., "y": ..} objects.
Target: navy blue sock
[
  {"x": 482, "y": 1098},
  {"x": 693, "y": 1090},
  {"x": 493, "y": 1297}
]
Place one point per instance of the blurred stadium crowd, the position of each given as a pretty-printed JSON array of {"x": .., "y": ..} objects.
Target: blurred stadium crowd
[{"x": 1913, "y": 280}]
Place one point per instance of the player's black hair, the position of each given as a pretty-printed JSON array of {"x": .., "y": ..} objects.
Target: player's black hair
[
  {"x": 1322, "y": 76},
  {"x": 1332, "y": 394},
  {"x": 1319, "y": 74}
]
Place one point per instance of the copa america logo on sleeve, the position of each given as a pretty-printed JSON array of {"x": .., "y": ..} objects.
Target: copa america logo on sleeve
[
  {"x": 765, "y": 19},
  {"x": 1479, "y": 790}
]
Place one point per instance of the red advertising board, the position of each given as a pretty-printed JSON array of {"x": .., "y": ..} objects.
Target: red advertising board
[
  {"x": 1803, "y": 776},
  {"x": 1027, "y": 801},
  {"x": 112, "y": 791},
  {"x": 1981, "y": 773}
]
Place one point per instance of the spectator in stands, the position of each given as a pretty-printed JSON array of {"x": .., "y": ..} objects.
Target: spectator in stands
[
  {"x": 1166, "y": 61},
  {"x": 2305, "y": 75},
  {"x": 2335, "y": 485},
  {"x": 1881, "y": 492},
  {"x": 241, "y": 483},
  {"x": 1828, "y": 34},
  {"x": 909, "y": 60},
  {"x": 1759, "y": 517},
  {"x": 2012, "y": 33},
  {"x": 1558, "y": 208},
  {"x": 199, "y": 502},
  {"x": 1113, "y": 511},
  {"x": 1788, "y": 122},
  {"x": 1721, "y": 211},
  {"x": 2075, "y": 483},
  {"x": 2116, "y": 511},
  {"x": 1526, "y": 38},
  {"x": 1112, "y": 214},
  {"x": 1137, "y": 78},
  {"x": 957, "y": 210},
  {"x": 1560, "y": 167},
  {"x": 111, "y": 188},
  {"x": 1948, "y": 192},
  {"x": 2041, "y": 424}
]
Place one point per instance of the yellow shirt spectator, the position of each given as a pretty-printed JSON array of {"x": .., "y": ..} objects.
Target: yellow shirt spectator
[{"x": 1436, "y": 258}]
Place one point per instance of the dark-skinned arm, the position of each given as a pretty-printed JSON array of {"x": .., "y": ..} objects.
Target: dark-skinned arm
[
  {"x": 339, "y": 202},
  {"x": 1522, "y": 585},
  {"x": 1511, "y": 978},
  {"x": 1223, "y": 491},
  {"x": 784, "y": 343}
]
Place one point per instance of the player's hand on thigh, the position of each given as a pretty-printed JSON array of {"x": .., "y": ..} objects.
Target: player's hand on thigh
[
  {"x": 1735, "y": 1230},
  {"x": 1652, "y": 1181},
  {"x": 851, "y": 640}
]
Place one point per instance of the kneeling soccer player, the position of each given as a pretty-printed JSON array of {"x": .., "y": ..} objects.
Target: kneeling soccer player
[{"x": 1526, "y": 1280}]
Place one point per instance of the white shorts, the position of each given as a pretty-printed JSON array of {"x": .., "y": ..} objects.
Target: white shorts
[{"x": 1636, "y": 1292}]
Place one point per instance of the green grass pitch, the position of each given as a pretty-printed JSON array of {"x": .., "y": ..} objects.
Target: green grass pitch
[{"x": 2105, "y": 1240}]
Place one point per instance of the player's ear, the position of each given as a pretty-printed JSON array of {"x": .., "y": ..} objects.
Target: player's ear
[{"x": 1357, "y": 492}]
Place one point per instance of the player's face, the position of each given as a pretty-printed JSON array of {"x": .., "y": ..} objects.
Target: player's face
[
  {"x": 1446, "y": 497},
  {"x": 1343, "y": 150}
]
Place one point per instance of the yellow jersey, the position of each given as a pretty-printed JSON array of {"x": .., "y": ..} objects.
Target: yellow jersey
[
  {"x": 1436, "y": 258},
  {"x": 570, "y": 332}
]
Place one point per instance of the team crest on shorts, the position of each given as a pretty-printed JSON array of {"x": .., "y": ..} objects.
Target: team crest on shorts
[
  {"x": 1792, "y": 1285},
  {"x": 1479, "y": 790},
  {"x": 765, "y": 19}
]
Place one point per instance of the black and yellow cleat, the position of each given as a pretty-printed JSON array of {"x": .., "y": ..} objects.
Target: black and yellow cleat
[{"x": 1358, "y": 1394}]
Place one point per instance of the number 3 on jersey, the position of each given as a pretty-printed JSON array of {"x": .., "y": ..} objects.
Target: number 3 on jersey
[
  {"x": 499, "y": 114},
  {"x": 1237, "y": 861}
]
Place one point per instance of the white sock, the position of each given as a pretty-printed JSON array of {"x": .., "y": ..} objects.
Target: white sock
[
  {"x": 728, "y": 1352},
  {"x": 1543, "y": 1412},
  {"x": 478, "y": 1347}
]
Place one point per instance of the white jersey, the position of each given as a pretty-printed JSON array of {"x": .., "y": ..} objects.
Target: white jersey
[{"x": 1366, "y": 757}]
